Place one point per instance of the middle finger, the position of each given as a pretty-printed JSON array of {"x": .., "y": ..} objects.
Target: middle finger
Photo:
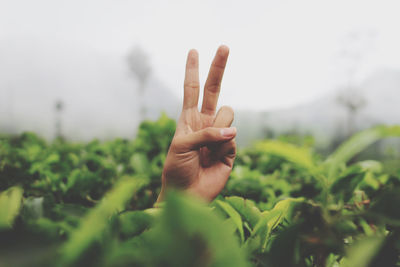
[{"x": 213, "y": 83}]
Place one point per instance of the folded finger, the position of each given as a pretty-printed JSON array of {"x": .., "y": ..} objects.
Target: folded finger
[
  {"x": 205, "y": 137},
  {"x": 224, "y": 117},
  {"x": 227, "y": 152}
]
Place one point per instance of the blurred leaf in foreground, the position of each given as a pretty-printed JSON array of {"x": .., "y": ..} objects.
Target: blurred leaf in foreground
[
  {"x": 10, "y": 204},
  {"x": 363, "y": 252},
  {"x": 97, "y": 220},
  {"x": 188, "y": 234}
]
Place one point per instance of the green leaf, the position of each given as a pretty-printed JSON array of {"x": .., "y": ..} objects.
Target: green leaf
[
  {"x": 188, "y": 233},
  {"x": 10, "y": 204},
  {"x": 271, "y": 219},
  {"x": 52, "y": 158},
  {"x": 371, "y": 165},
  {"x": 187, "y": 216},
  {"x": 97, "y": 219},
  {"x": 363, "y": 252},
  {"x": 343, "y": 188},
  {"x": 300, "y": 156},
  {"x": 134, "y": 222},
  {"x": 140, "y": 163},
  {"x": 234, "y": 215},
  {"x": 265, "y": 225},
  {"x": 356, "y": 144},
  {"x": 246, "y": 208}
]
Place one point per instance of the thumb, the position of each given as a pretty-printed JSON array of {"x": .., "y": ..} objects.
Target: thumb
[{"x": 204, "y": 137}]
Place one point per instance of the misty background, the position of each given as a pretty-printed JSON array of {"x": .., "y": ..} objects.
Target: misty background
[{"x": 95, "y": 69}]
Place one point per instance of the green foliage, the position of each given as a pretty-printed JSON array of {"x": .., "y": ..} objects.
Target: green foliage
[
  {"x": 10, "y": 204},
  {"x": 186, "y": 233},
  {"x": 92, "y": 204},
  {"x": 94, "y": 223},
  {"x": 299, "y": 156},
  {"x": 363, "y": 252},
  {"x": 232, "y": 213},
  {"x": 356, "y": 144}
]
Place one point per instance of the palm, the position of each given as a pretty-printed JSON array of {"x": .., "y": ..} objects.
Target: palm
[
  {"x": 209, "y": 172},
  {"x": 203, "y": 170}
]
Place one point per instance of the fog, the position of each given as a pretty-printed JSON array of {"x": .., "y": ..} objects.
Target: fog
[{"x": 284, "y": 54}]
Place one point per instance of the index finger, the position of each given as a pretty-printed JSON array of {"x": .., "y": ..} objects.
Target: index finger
[
  {"x": 213, "y": 83},
  {"x": 191, "y": 84}
]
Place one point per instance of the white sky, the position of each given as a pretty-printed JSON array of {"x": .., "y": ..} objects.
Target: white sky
[{"x": 282, "y": 52}]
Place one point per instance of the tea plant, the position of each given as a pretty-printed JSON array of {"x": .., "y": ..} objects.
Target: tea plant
[{"x": 68, "y": 204}]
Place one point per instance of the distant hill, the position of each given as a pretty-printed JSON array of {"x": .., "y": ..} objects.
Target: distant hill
[{"x": 325, "y": 117}]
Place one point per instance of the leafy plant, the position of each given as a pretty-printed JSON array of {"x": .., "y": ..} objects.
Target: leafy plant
[{"x": 66, "y": 204}]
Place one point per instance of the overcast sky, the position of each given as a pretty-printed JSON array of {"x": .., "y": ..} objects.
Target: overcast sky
[{"x": 283, "y": 53}]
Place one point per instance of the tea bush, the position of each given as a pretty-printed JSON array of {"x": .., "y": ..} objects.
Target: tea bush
[{"x": 68, "y": 204}]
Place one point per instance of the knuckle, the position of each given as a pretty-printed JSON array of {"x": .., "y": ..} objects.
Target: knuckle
[
  {"x": 219, "y": 66},
  {"x": 192, "y": 85},
  {"x": 233, "y": 143},
  {"x": 208, "y": 110},
  {"x": 209, "y": 133},
  {"x": 213, "y": 88},
  {"x": 178, "y": 144},
  {"x": 232, "y": 147}
]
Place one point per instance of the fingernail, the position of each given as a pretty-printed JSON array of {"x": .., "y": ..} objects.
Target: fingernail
[{"x": 228, "y": 132}]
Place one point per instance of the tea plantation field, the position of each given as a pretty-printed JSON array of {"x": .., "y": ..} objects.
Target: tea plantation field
[{"x": 91, "y": 204}]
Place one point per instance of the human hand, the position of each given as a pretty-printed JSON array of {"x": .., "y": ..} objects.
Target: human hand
[{"x": 203, "y": 149}]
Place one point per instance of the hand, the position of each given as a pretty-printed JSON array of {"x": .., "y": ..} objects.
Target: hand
[{"x": 203, "y": 150}]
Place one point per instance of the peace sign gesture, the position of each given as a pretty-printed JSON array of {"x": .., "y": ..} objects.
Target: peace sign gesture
[{"x": 203, "y": 150}]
